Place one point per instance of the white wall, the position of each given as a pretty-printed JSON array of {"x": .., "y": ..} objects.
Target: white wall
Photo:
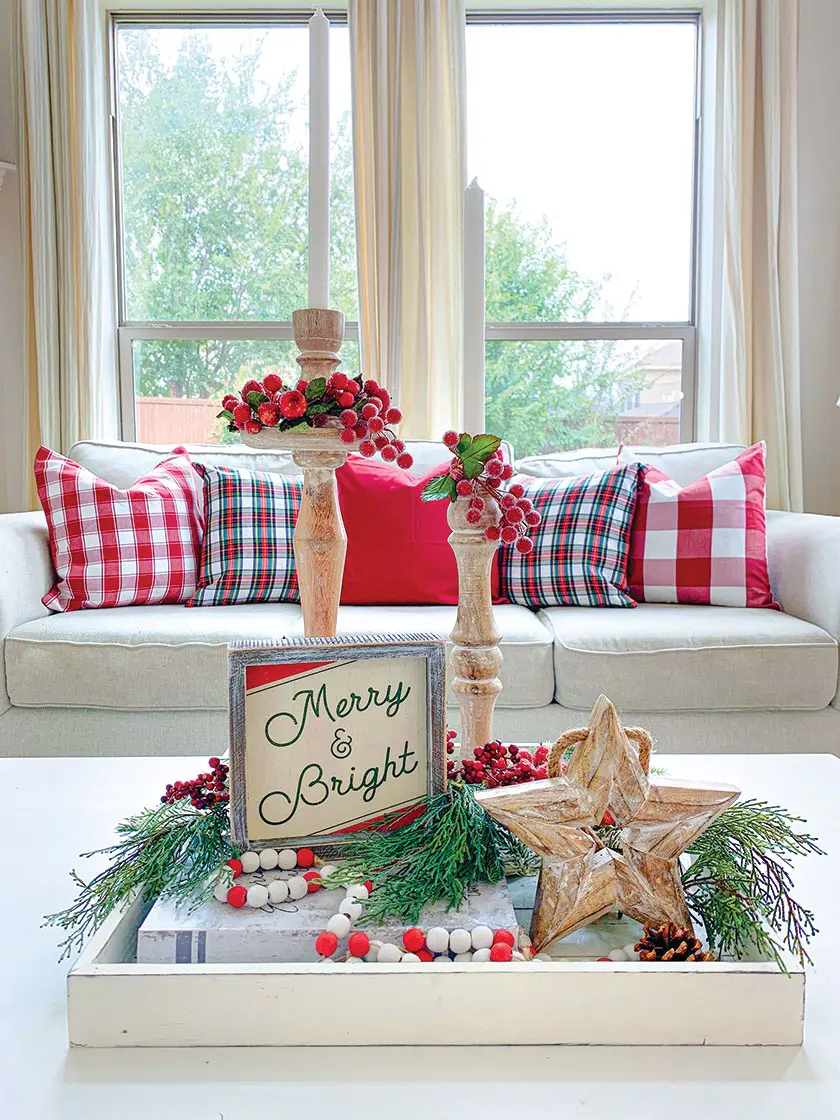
[
  {"x": 13, "y": 469},
  {"x": 819, "y": 249},
  {"x": 819, "y": 199}
]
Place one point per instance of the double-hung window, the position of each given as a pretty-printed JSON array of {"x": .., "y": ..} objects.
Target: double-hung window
[
  {"x": 583, "y": 132},
  {"x": 211, "y": 139}
]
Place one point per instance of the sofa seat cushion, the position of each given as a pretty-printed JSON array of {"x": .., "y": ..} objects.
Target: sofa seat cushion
[
  {"x": 670, "y": 658},
  {"x": 174, "y": 657}
]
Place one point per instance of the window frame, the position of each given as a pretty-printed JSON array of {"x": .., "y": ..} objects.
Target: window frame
[
  {"x": 685, "y": 331},
  {"x": 130, "y": 331}
]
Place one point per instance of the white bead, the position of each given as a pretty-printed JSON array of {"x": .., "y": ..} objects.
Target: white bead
[
  {"x": 617, "y": 955},
  {"x": 287, "y": 859},
  {"x": 442, "y": 959},
  {"x": 298, "y": 888},
  {"x": 517, "y": 956},
  {"x": 481, "y": 955},
  {"x": 463, "y": 958},
  {"x": 389, "y": 954},
  {"x": 631, "y": 951},
  {"x": 220, "y": 891},
  {"x": 268, "y": 859},
  {"x": 543, "y": 957},
  {"x": 482, "y": 937},
  {"x": 352, "y": 909},
  {"x": 355, "y": 960},
  {"x": 460, "y": 941},
  {"x": 410, "y": 958},
  {"x": 250, "y": 862},
  {"x": 373, "y": 951},
  {"x": 278, "y": 890},
  {"x": 339, "y": 924},
  {"x": 437, "y": 940},
  {"x": 327, "y": 870},
  {"x": 359, "y": 891},
  {"x": 257, "y": 895}
]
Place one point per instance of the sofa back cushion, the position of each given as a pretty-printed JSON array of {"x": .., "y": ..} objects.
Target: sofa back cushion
[
  {"x": 683, "y": 462},
  {"x": 122, "y": 464}
]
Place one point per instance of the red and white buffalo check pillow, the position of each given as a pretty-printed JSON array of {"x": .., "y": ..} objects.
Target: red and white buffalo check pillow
[
  {"x": 704, "y": 543},
  {"x": 117, "y": 548}
]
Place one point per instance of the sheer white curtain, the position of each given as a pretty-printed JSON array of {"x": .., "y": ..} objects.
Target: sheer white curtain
[
  {"x": 409, "y": 126},
  {"x": 759, "y": 392},
  {"x": 65, "y": 191}
]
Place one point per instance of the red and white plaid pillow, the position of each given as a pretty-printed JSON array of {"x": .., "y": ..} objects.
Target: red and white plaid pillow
[
  {"x": 704, "y": 543},
  {"x": 117, "y": 548}
]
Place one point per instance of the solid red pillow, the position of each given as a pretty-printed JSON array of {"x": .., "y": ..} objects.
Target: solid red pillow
[{"x": 397, "y": 545}]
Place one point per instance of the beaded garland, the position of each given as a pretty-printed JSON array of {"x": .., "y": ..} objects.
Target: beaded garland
[{"x": 433, "y": 946}]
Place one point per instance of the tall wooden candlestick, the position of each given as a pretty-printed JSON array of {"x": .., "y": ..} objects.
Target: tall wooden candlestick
[
  {"x": 476, "y": 658},
  {"x": 320, "y": 540}
]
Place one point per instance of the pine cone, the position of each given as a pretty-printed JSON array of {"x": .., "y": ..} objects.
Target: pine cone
[{"x": 670, "y": 943}]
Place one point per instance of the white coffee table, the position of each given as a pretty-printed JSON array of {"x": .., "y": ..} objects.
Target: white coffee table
[{"x": 56, "y": 808}]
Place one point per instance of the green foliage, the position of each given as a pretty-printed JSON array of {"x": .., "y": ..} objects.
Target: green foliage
[
  {"x": 167, "y": 852},
  {"x": 443, "y": 486},
  {"x": 740, "y": 885},
  {"x": 440, "y": 855},
  {"x": 548, "y": 396}
]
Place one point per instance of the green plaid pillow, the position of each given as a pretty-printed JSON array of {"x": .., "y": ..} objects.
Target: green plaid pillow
[
  {"x": 581, "y": 546},
  {"x": 247, "y": 554}
]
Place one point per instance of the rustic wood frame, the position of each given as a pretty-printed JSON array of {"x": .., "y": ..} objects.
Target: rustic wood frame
[{"x": 351, "y": 648}]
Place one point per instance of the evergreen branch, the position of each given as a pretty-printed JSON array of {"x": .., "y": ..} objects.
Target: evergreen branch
[
  {"x": 440, "y": 855},
  {"x": 168, "y": 852},
  {"x": 740, "y": 883}
]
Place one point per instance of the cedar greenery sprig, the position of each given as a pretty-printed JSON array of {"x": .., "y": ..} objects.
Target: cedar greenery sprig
[
  {"x": 168, "y": 852},
  {"x": 739, "y": 884},
  {"x": 439, "y": 855}
]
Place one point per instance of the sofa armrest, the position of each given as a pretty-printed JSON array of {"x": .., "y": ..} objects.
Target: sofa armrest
[
  {"x": 26, "y": 574},
  {"x": 803, "y": 554}
]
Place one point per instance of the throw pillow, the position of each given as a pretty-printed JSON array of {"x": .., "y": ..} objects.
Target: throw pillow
[
  {"x": 581, "y": 546},
  {"x": 397, "y": 545},
  {"x": 706, "y": 542},
  {"x": 119, "y": 548},
  {"x": 247, "y": 554}
]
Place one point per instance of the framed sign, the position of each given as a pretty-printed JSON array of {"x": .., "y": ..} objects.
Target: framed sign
[{"x": 330, "y": 734}]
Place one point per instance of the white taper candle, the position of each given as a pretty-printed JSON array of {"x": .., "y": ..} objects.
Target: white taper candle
[
  {"x": 474, "y": 308},
  {"x": 319, "y": 161}
]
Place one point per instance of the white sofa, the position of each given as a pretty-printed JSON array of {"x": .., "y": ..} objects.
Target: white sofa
[{"x": 152, "y": 680}]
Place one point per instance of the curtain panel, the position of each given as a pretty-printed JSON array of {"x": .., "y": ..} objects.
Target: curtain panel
[
  {"x": 758, "y": 360},
  {"x": 409, "y": 140},
  {"x": 69, "y": 288}
]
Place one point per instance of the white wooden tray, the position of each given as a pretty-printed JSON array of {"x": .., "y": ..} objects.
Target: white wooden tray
[{"x": 112, "y": 1001}]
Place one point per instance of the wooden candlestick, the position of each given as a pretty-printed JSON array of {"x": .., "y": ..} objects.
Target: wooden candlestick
[
  {"x": 320, "y": 540},
  {"x": 476, "y": 658}
]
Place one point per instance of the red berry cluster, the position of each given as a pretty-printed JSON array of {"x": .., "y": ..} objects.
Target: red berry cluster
[
  {"x": 518, "y": 515},
  {"x": 363, "y": 412},
  {"x": 203, "y": 792},
  {"x": 496, "y": 765}
]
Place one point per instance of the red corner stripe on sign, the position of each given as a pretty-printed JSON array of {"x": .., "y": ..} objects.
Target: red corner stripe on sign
[{"x": 257, "y": 676}]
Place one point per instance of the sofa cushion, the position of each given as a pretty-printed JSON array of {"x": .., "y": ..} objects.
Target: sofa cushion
[
  {"x": 123, "y": 463},
  {"x": 667, "y": 657},
  {"x": 683, "y": 462},
  {"x": 172, "y": 657}
]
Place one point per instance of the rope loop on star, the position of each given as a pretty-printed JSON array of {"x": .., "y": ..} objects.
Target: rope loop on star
[{"x": 643, "y": 740}]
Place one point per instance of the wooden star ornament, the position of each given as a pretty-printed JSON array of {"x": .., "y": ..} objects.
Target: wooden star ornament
[{"x": 581, "y": 879}]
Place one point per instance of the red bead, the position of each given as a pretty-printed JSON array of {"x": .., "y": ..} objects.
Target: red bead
[
  {"x": 501, "y": 951},
  {"x": 358, "y": 943},
  {"x": 237, "y": 896},
  {"x": 313, "y": 878},
  {"x": 368, "y": 883},
  {"x": 607, "y": 959},
  {"x": 503, "y": 937},
  {"x": 305, "y": 857},
  {"x": 214, "y": 762},
  {"x": 326, "y": 944},
  {"x": 414, "y": 939},
  {"x": 235, "y": 865},
  {"x": 425, "y": 955}
]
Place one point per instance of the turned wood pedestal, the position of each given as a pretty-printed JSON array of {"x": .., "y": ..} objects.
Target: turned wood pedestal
[
  {"x": 320, "y": 540},
  {"x": 476, "y": 658}
]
